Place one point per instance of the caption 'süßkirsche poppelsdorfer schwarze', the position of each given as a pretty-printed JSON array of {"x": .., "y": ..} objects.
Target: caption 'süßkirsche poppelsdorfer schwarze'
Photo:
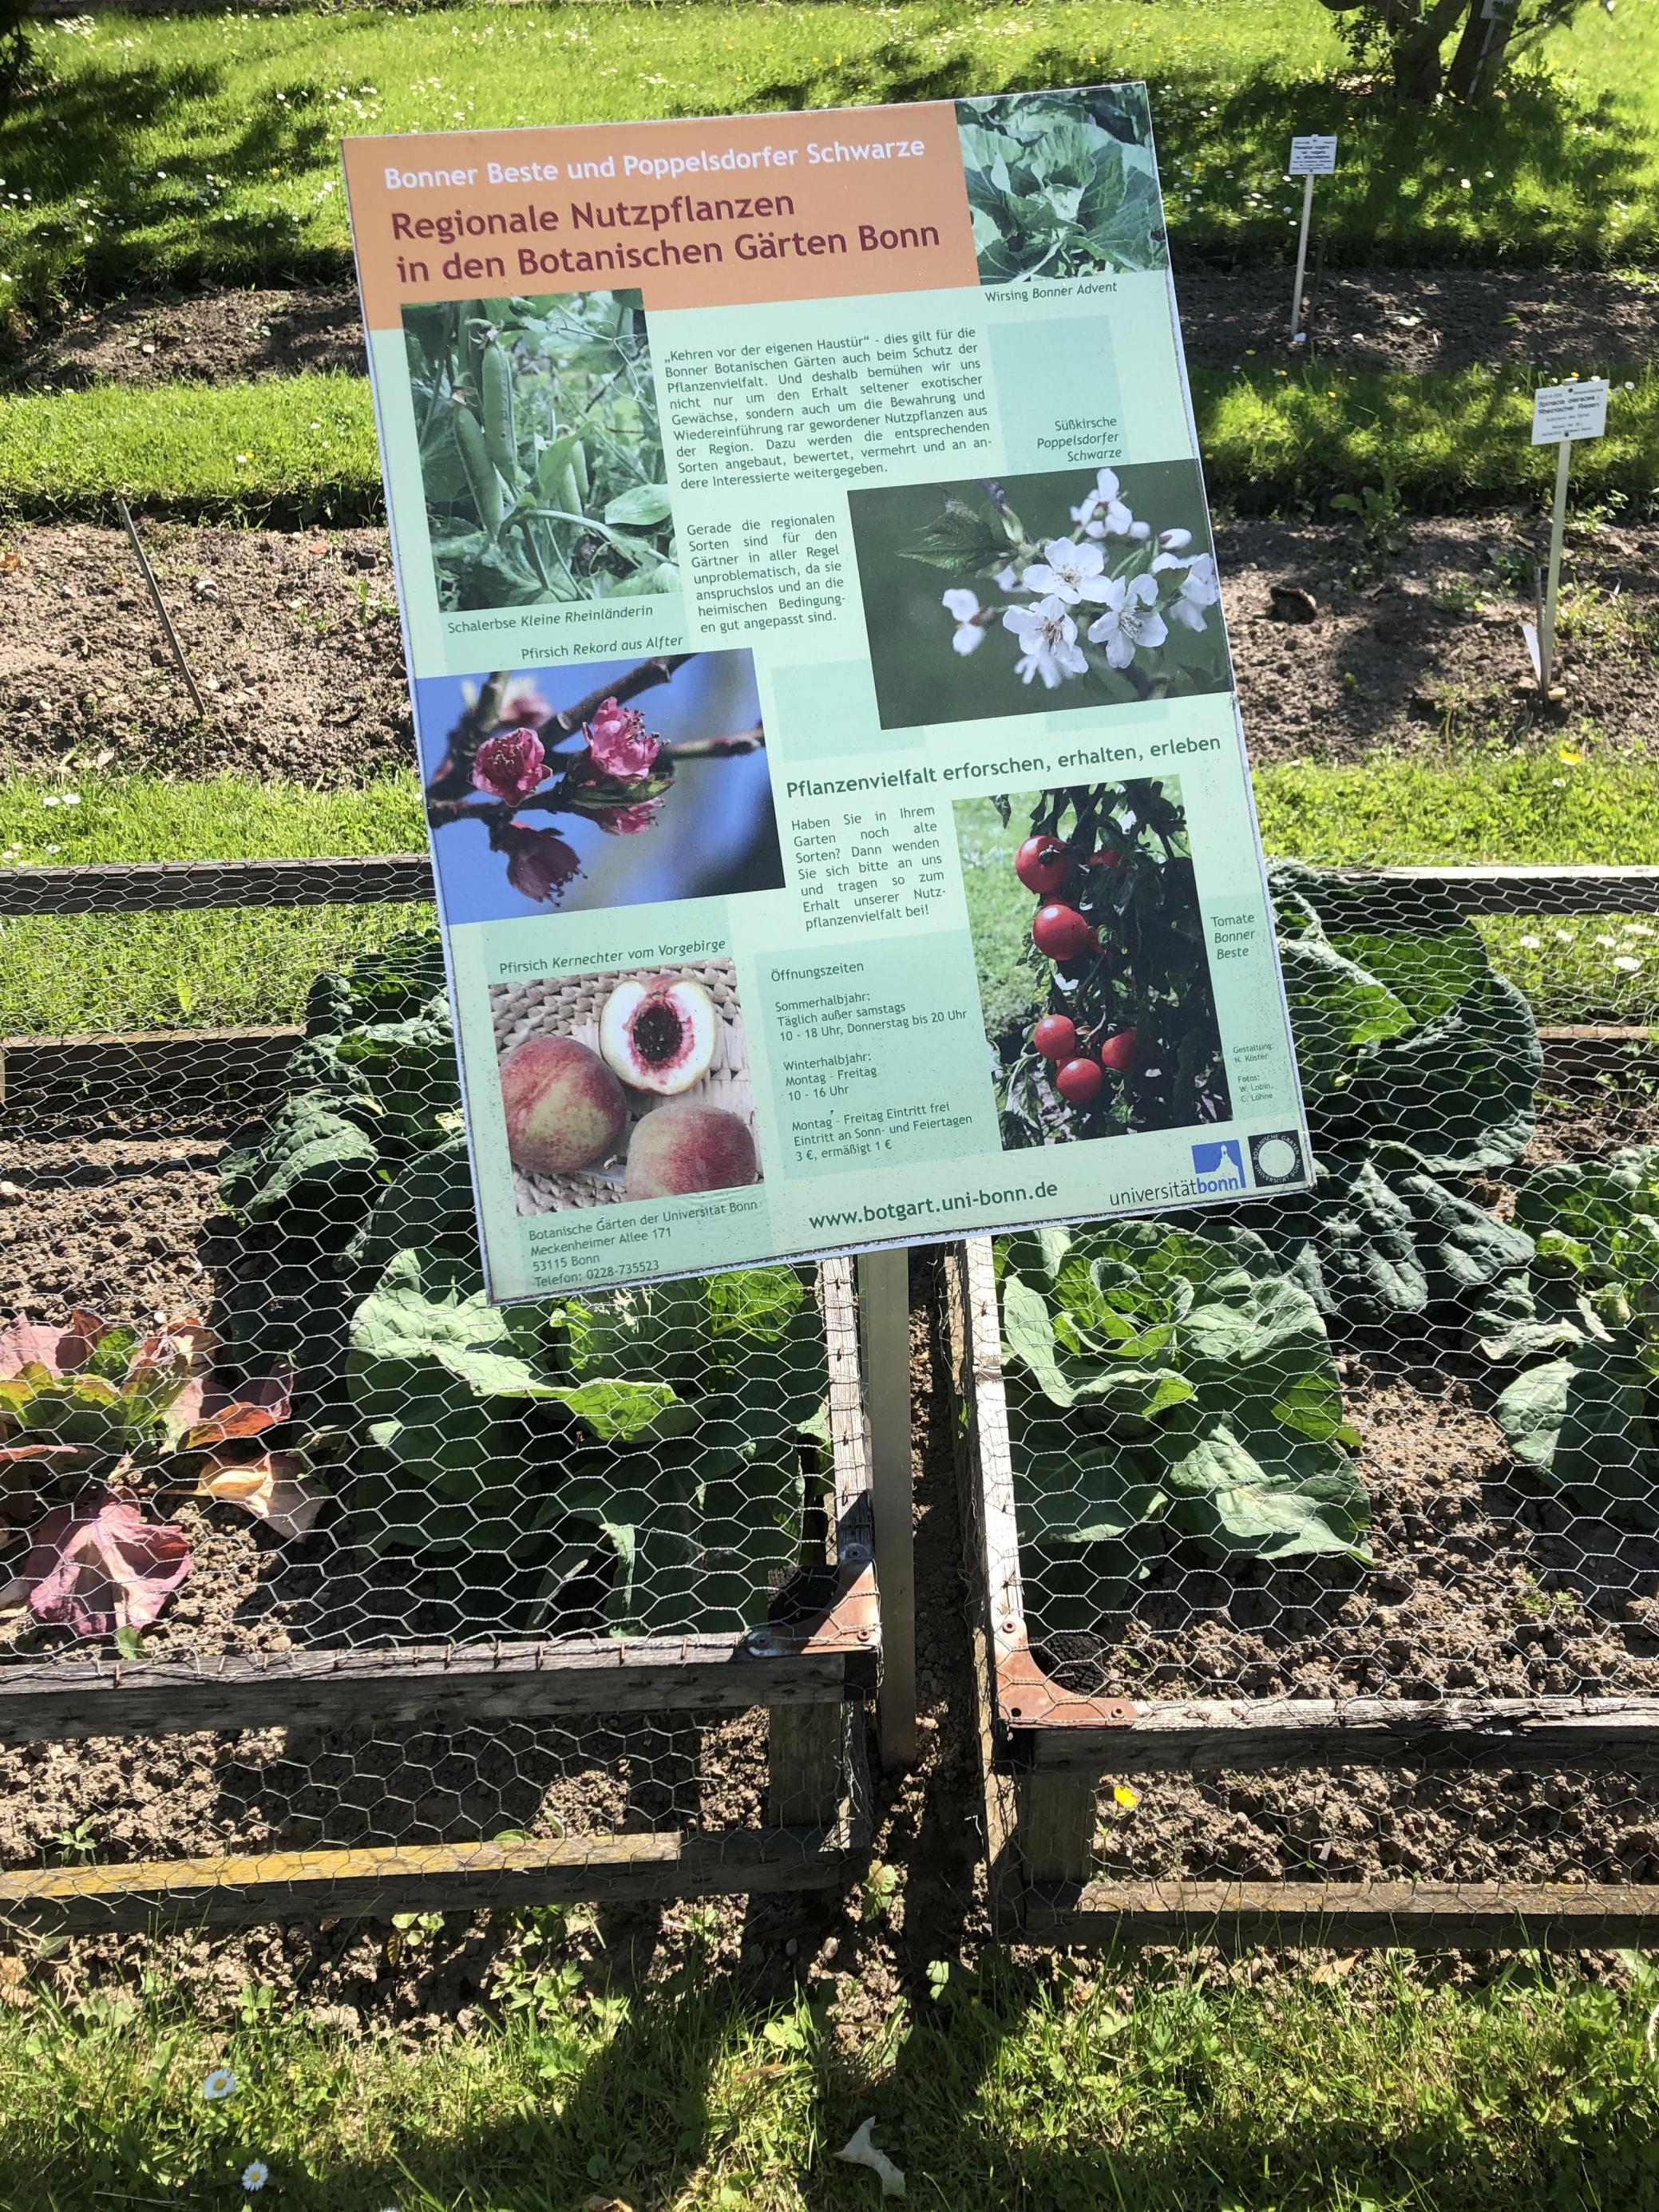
[{"x": 836, "y": 785}]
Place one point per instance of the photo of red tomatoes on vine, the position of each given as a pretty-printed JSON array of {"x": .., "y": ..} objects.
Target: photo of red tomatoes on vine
[{"x": 1094, "y": 976}]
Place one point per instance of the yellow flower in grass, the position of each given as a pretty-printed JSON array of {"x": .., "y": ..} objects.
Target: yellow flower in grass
[
  {"x": 1123, "y": 1795},
  {"x": 1572, "y": 759}
]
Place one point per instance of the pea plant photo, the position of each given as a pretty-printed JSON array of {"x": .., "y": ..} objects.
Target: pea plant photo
[
  {"x": 610, "y": 784},
  {"x": 1067, "y": 589},
  {"x": 541, "y": 449},
  {"x": 1094, "y": 974},
  {"x": 1061, "y": 184}
]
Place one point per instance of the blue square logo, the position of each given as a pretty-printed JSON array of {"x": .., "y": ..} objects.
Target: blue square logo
[{"x": 1220, "y": 1166}]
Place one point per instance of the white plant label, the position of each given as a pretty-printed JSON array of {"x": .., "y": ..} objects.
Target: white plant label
[
  {"x": 1568, "y": 410},
  {"x": 1312, "y": 157}
]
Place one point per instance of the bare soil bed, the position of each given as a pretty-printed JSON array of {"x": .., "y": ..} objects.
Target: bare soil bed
[
  {"x": 1422, "y": 318},
  {"x": 1404, "y": 318},
  {"x": 1409, "y": 648},
  {"x": 208, "y": 337},
  {"x": 293, "y": 641}
]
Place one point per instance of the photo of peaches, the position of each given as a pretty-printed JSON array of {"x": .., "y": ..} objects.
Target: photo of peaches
[{"x": 625, "y": 1085}]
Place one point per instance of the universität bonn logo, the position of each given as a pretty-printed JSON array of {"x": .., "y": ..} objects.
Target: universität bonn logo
[
  {"x": 1220, "y": 1166},
  {"x": 1275, "y": 1157}
]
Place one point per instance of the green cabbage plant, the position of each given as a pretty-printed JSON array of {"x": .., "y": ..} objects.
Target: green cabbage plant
[
  {"x": 1582, "y": 1321},
  {"x": 641, "y": 1460},
  {"x": 1418, "y": 1064},
  {"x": 1165, "y": 1381}
]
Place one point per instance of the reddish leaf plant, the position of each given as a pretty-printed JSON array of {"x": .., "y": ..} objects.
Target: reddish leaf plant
[{"x": 111, "y": 1412}]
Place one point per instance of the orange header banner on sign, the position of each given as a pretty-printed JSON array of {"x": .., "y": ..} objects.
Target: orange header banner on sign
[{"x": 738, "y": 211}]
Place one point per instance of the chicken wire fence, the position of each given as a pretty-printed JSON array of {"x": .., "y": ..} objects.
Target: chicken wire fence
[
  {"x": 1320, "y": 1536},
  {"x": 1308, "y": 1514},
  {"x": 327, "y": 1577}
]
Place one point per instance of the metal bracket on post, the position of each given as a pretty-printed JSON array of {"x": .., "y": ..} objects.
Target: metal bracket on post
[{"x": 884, "y": 1283}]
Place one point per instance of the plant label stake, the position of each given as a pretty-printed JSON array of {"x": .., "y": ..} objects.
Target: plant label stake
[
  {"x": 1309, "y": 158},
  {"x": 162, "y": 613},
  {"x": 1560, "y": 414}
]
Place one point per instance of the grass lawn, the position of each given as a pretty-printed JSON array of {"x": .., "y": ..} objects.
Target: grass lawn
[
  {"x": 226, "y": 969},
  {"x": 291, "y": 450},
  {"x": 211, "y": 970},
  {"x": 301, "y": 448},
  {"x": 158, "y": 151},
  {"x": 1602, "y": 968},
  {"x": 1368, "y": 2085}
]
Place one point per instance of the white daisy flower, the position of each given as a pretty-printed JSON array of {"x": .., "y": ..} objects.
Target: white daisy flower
[
  {"x": 219, "y": 2085},
  {"x": 255, "y": 2174}
]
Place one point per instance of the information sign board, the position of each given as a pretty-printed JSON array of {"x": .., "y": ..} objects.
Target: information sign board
[
  {"x": 1312, "y": 157},
  {"x": 1570, "y": 410},
  {"x": 839, "y": 807}
]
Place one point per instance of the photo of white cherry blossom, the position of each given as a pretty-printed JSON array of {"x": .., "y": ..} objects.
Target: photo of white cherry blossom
[{"x": 1073, "y": 588}]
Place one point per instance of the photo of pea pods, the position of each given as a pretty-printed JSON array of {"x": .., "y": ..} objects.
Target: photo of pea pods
[{"x": 540, "y": 448}]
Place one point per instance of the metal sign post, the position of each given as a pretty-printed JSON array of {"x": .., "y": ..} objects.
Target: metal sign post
[
  {"x": 1561, "y": 413},
  {"x": 1309, "y": 158},
  {"x": 884, "y": 1283}
]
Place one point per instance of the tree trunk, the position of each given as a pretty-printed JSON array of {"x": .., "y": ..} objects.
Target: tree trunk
[
  {"x": 1477, "y": 63},
  {"x": 1420, "y": 31}
]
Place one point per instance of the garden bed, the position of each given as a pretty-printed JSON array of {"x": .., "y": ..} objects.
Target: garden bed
[
  {"x": 1410, "y": 319},
  {"x": 1479, "y": 1584},
  {"x": 294, "y": 638},
  {"x": 391, "y": 1658},
  {"x": 1363, "y": 1479},
  {"x": 1465, "y": 1591}
]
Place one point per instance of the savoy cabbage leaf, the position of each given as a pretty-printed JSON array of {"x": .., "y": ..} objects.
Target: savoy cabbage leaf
[
  {"x": 1584, "y": 1421},
  {"x": 1419, "y": 1064},
  {"x": 1166, "y": 1382}
]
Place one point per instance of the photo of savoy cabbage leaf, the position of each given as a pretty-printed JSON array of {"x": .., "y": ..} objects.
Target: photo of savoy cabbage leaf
[{"x": 1061, "y": 184}]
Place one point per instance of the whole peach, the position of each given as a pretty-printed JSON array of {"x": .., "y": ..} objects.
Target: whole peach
[
  {"x": 685, "y": 1147},
  {"x": 564, "y": 1108}
]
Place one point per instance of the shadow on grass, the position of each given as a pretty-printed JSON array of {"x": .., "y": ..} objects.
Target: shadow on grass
[
  {"x": 1007, "y": 2094},
  {"x": 84, "y": 143},
  {"x": 1553, "y": 174}
]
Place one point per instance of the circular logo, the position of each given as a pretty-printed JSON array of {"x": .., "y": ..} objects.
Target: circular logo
[{"x": 1276, "y": 1157}]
